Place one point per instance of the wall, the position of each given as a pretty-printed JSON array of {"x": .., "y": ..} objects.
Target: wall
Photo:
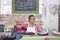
[
  {"x": 0, "y": 6},
  {"x": 50, "y": 14}
]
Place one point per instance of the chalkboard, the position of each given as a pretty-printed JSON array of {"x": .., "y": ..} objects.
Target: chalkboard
[{"x": 25, "y": 4}]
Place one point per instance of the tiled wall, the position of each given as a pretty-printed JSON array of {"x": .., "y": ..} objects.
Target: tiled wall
[
  {"x": 9, "y": 20},
  {"x": 6, "y": 6}
]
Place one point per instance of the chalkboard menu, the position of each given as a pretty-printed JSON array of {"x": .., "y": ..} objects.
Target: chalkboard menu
[{"x": 25, "y": 4}]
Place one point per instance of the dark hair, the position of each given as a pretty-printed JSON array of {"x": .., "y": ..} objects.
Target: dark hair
[{"x": 30, "y": 16}]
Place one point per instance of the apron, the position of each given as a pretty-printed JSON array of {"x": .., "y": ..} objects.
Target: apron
[{"x": 31, "y": 29}]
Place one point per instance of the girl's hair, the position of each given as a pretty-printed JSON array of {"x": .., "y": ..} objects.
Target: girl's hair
[{"x": 30, "y": 16}]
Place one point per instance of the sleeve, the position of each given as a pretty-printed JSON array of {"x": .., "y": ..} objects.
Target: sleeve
[
  {"x": 38, "y": 28},
  {"x": 15, "y": 28}
]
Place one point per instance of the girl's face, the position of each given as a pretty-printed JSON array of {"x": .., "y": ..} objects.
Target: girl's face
[
  {"x": 32, "y": 20},
  {"x": 19, "y": 22}
]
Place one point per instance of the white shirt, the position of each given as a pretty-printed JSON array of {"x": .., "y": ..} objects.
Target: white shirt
[{"x": 31, "y": 29}]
